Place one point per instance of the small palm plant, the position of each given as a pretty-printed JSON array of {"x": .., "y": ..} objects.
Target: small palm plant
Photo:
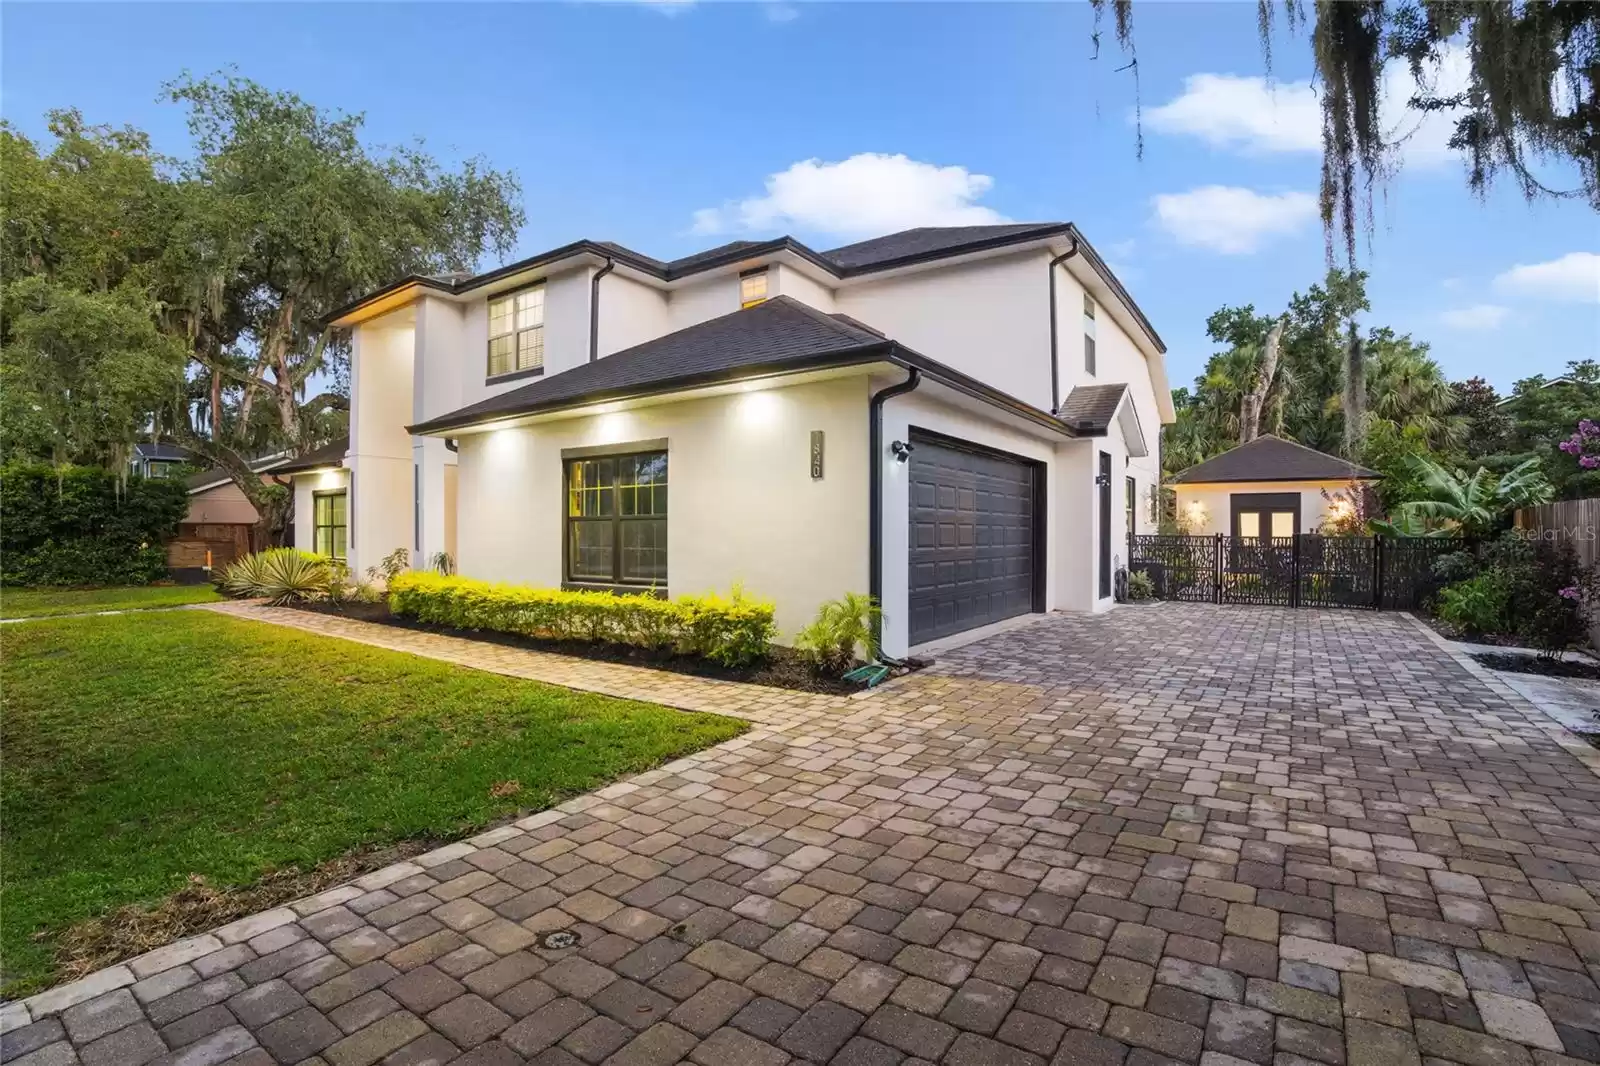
[
  {"x": 1462, "y": 504},
  {"x": 842, "y": 626}
]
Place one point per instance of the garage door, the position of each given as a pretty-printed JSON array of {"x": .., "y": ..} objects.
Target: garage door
[{"x": 972, "y": 538}]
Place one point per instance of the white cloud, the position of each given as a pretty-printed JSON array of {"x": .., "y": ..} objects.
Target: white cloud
[
  {"x": 863, "y": 196},
  {"x": 1250, "y": 114},
  {"x": 1478, "y": 316},
  {"x": 1258, "y": 117},
  {"x": 777, "y": 11},
  {"x": 1231, "y": 220},
  {"x": 1575, "y": 277}
]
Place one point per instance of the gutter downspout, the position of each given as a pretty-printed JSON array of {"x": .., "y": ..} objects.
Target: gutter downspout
[
  {"x": 1055, "y": 362},
  {"x": 875, "y": 489},
  {"x": 594, "y": 308}
]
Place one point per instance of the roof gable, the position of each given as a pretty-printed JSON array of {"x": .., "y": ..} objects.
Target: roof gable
[{"x": 1270, "y": 458}]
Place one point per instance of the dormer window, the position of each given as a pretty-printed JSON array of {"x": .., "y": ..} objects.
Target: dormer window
[
  {"x": 752, "y": 287},
  {"x": 516, "y": 332}
]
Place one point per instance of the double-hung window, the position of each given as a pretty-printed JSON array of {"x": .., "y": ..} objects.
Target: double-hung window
[
  {"x": 516, "y": 332},
  {"x": 617, "y": 520},
  {"x": 1131, "y": 504},
  {"x": 330, "y": 523},
  {"x": 1088, "y": 334}
]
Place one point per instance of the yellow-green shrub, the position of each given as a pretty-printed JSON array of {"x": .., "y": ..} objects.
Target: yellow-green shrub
[{"x": 732, "y": 630}]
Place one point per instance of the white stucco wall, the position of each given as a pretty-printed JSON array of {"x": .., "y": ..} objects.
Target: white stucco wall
[
  {"x": 702, "y": 299},
  {"x": 787, "y": 281},
  {"x": 382, "y": 376},
  {"x": 743, "y": 506},
  {"x": 989, "y": 319},
  {"x": 631, "y": 312},
  {"x": 1215, "y": 514}
]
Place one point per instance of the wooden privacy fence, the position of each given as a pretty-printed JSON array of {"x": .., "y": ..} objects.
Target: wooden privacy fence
[
  {"x": 1306, "y": 570},
  {"x": 1575, "y": 523}
]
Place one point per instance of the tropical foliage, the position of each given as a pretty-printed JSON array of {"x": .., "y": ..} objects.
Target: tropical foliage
[
  {"x": 1455, "y": 503},
  {"x": 1534, "y": 592}
]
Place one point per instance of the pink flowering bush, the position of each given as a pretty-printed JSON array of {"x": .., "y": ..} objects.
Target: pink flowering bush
[{"x": 1584, "y": 445}]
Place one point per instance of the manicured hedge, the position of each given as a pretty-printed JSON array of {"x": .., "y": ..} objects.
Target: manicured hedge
[
  {"x": 75, "y": 525},
  {"x": 731, "y": 630}
]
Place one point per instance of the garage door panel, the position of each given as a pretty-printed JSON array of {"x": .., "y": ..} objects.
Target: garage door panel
[{"x": 978, "y": 566}]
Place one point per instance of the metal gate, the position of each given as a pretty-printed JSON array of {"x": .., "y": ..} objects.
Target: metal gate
[{"x": 1307, "y": 570}]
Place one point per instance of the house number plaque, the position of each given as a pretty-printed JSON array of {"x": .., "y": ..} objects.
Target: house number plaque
[{"x": 816, "y": 455}]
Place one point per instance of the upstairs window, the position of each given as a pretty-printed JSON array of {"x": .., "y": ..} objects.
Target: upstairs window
[
  {"x": 516, "y": 332},
  {"x": 752, "y": 288},
  {"x": 1088, "y": 307}
]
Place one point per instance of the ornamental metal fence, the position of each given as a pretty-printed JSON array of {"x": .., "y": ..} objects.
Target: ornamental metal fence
[{"x": 1306, "y": 570}]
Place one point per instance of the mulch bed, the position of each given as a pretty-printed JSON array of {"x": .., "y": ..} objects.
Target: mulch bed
[
  {"x": 1527, "y": 664},
  {"x": 784, "y": 668}
]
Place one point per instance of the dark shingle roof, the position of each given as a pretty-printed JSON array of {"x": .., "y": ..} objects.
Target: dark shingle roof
[
  {"x": 781, "y": 334},
  {"x": 930, "y": 241},
  {"x": 687, "y": 264},
  {"x": 160, "y": 450},
  {"x": 1272, "y": 458},
  {"x": 330, "y": 454},
  {"x": 1090, "y": 408}
]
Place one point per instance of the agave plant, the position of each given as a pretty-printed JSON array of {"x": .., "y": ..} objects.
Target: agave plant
[
  {"x": 280, "y": 575},
  {"x": 1458, "y": 503},
  {"x": 245, "y": 577}
]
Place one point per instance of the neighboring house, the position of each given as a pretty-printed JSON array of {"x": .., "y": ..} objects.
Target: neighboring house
[
  {"x": 220, "y": 524},
  {"x": 1270, "y": 487},
  {"x": 950, "y": 419},
  {"x": 157, "y": 459}
]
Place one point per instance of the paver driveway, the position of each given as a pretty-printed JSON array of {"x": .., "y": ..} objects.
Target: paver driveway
[{"x": 1180, "y": 833}]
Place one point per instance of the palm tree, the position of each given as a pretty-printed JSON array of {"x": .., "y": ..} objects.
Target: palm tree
[
  {"x": 1462, "y": 504},
  {"x": 1407, "y": 388}
]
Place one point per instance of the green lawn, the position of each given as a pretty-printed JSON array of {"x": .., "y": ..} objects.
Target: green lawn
[
  {"x": 34, "y": 603},
  {"x": 142, "y": 748}
]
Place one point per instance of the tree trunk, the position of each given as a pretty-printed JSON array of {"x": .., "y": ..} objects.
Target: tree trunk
[
  {"x": 1355, "y": 396},
  {"x": 1255, "y": 401}
]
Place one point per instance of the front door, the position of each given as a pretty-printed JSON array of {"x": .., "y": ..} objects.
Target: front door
[{"x": 1104, "y": 481}]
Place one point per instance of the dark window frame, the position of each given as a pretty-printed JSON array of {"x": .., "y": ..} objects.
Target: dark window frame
[
  {"x": 317, "y": 525},
  {"x": 515, "y": 369},
  {"x": 1089, "y": 357},
  {"x": 1131, "y": 503},
  {"x": 570, "y": 579}
]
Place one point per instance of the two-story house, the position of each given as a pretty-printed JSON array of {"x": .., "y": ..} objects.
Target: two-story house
[{"x": 962, "y": 421}]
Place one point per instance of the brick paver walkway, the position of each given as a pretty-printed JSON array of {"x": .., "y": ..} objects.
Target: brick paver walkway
[{"x": 1183, "y": 833}]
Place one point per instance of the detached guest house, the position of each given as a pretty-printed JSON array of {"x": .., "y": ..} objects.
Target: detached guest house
[{"x": 963, "y": 422}]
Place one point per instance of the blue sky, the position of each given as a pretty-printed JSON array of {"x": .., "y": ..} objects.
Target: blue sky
[{"x": 671, "y": 127}]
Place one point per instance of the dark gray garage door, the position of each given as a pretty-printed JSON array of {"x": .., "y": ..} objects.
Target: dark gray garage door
[{"x": 972, "y": 538}]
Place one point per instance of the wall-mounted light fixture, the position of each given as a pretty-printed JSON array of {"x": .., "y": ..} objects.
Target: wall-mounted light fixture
[
  {"x": 902, "y": 450},
  {"x": 1102, "y": 480}
]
